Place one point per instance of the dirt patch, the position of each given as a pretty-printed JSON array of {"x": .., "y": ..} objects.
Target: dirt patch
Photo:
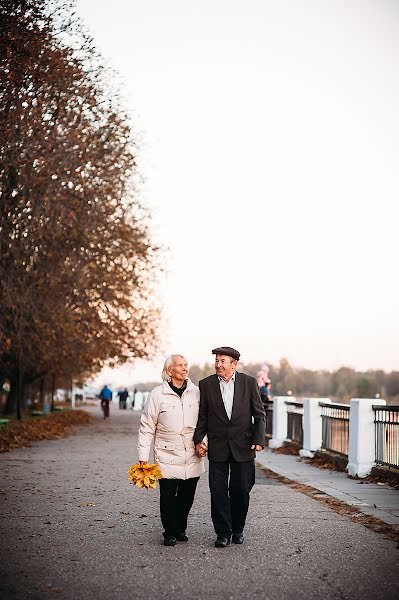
[
  {"x": 389, "y": 531},
  {"x": 19, "y": 434}
]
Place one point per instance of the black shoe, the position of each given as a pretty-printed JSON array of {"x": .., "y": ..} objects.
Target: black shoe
[
  {"x": 181, "y": 537},
  {"x": 169, "y": 540},
  {"x": 238, "y": 538},
  {"x": 222, "y": 541}
]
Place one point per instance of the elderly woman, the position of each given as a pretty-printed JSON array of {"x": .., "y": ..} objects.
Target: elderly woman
[{"x": 169, "y": 419}]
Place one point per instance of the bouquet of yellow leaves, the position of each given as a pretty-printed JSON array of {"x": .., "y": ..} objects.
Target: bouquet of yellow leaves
[{"x": 145, "y": 476}]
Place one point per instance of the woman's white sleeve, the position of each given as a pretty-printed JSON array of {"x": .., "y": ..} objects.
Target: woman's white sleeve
[{"x": 148, "y": 425}]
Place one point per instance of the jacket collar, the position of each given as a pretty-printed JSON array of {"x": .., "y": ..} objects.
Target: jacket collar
[
  {"x": 232, "y": 378},
  {"x": 166, "y": 389},
  {"x": 237, "y": 392}
]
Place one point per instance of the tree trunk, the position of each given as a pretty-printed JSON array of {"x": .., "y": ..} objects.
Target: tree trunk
[
  {"x": 2, "y": 393},
  {"x": 52, "y": 392},
  {"x": 42, "y": 397},
  {"x": 19, "y": 395},
  {"x": 11, "y": 402}
]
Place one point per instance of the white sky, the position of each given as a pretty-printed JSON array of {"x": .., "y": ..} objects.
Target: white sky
[{"x": 271, "y": 133}]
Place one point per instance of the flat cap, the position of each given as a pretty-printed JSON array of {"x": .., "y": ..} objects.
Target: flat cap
[{"x": 227, "y": 351}]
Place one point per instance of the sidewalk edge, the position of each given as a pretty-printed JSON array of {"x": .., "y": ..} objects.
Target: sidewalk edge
[{"x": 390, "y": 532}]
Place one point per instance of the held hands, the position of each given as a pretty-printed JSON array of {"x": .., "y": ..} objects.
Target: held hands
[{"x": 201, "y": 449}]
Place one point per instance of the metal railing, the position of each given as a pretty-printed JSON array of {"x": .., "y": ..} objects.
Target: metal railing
[
  {"x": 269, "y": 418},
  {"x": 335, "y": 427},
  {"x": 295, "y": 422},
  {"x": 386, "y": 421}
]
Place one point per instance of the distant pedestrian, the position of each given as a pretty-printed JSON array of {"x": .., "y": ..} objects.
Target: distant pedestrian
[
  {"x": 264, "y": 385},
  {"x": 134, "y": 397},
  {"x": 106, "y": 398},
  {"x": 168, "y": 420},
  {"x": 123, "y": 396}
]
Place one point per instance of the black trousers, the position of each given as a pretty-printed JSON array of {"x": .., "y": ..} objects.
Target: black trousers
[
  {"x": 230, "y": 483},
  {"x": 176, "y": 500},
  {"x": 105, "y": 407}
]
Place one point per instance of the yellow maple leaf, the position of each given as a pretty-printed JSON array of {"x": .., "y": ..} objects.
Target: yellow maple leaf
[{"x": 145, "y": 475}]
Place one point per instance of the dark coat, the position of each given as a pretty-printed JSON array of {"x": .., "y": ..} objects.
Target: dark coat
[{"x": 246, "y": 426}]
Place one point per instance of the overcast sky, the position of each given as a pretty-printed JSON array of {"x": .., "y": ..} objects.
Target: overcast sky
[{"x": 271, "y": 142}]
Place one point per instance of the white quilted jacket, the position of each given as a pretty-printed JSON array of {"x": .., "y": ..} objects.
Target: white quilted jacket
[{"x": 169, "y": 422}]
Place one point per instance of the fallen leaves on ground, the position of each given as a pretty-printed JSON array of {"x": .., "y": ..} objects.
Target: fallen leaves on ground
[
  {"x": 19, "y": 434},
  {"x": 329, "y": 462},
  {"x": 380, "y": 476},
  {"x": 287, "y": 448},
  {"x": 336, "y": 462},
  {"x": 145, "y": 475}
]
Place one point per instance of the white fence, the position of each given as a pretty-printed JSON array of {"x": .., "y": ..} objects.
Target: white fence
[{"x": 366, "y": 431}]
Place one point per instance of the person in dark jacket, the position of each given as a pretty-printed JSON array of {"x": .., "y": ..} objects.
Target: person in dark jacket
[
  {"x": 232, "y": 416},
  {"x": 123, "y": 396},
  {"x": 106, "y": 398}
]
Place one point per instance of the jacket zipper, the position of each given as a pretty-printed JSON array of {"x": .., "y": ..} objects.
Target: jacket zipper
[
  {"x": 184, "y": 444},
  {"x": 185, "y": 449}
]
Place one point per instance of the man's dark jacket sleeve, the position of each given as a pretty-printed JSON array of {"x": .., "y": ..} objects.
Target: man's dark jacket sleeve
[{"x": 202, "y": 424}]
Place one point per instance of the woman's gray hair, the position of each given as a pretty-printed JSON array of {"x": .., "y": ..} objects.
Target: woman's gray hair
[{"x": 168, "y": 362}]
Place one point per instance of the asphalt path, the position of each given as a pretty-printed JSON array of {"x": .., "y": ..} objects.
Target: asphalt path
[{"x": 73, "y": 527}]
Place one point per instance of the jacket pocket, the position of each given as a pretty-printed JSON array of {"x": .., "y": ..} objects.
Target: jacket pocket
[
  {"x": 165, "y": 446},
  {"x": 170, "y": 416},
  {"x": 166, "y": 453},
  {"x": 190, "y": 415}
]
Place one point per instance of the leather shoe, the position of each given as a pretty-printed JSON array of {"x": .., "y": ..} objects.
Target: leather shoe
[
  {"x": 222, "y": 542},
  {"x": 169, "y": 540},
  {"x": 238, "y": 538},
  {"x": 182, "y": 537}
]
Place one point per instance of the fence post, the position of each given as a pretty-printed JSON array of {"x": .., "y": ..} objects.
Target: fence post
[
  {"x": 312, "y": 426},
  {"x": 279, "y": 420},
  {"x": 361, "y": 457}
]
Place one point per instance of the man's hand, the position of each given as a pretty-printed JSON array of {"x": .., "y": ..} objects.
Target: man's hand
[
  {"x": 201, "y": 449},
  {"x": 256, "y": 447}
]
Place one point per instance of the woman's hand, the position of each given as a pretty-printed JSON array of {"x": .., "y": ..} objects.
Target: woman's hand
[{"x": 142, "y": 463}]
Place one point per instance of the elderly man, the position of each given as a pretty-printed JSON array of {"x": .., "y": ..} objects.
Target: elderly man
[{"x": 232, "y": 416}]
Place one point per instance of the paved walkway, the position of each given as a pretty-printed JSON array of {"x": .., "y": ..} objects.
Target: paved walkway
[
  {"x": 377, "y": 500},
  {"x": 74, "y": 528}
]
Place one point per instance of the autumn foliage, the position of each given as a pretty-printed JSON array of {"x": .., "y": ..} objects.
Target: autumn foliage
[
  {"x": 77, "y": 264},
  {"x": 19, "y": 435},
  {"x": 145, "y": 476}
]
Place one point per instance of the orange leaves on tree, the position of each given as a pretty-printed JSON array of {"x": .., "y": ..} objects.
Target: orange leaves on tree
[{"x": 78, "y": 266}]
